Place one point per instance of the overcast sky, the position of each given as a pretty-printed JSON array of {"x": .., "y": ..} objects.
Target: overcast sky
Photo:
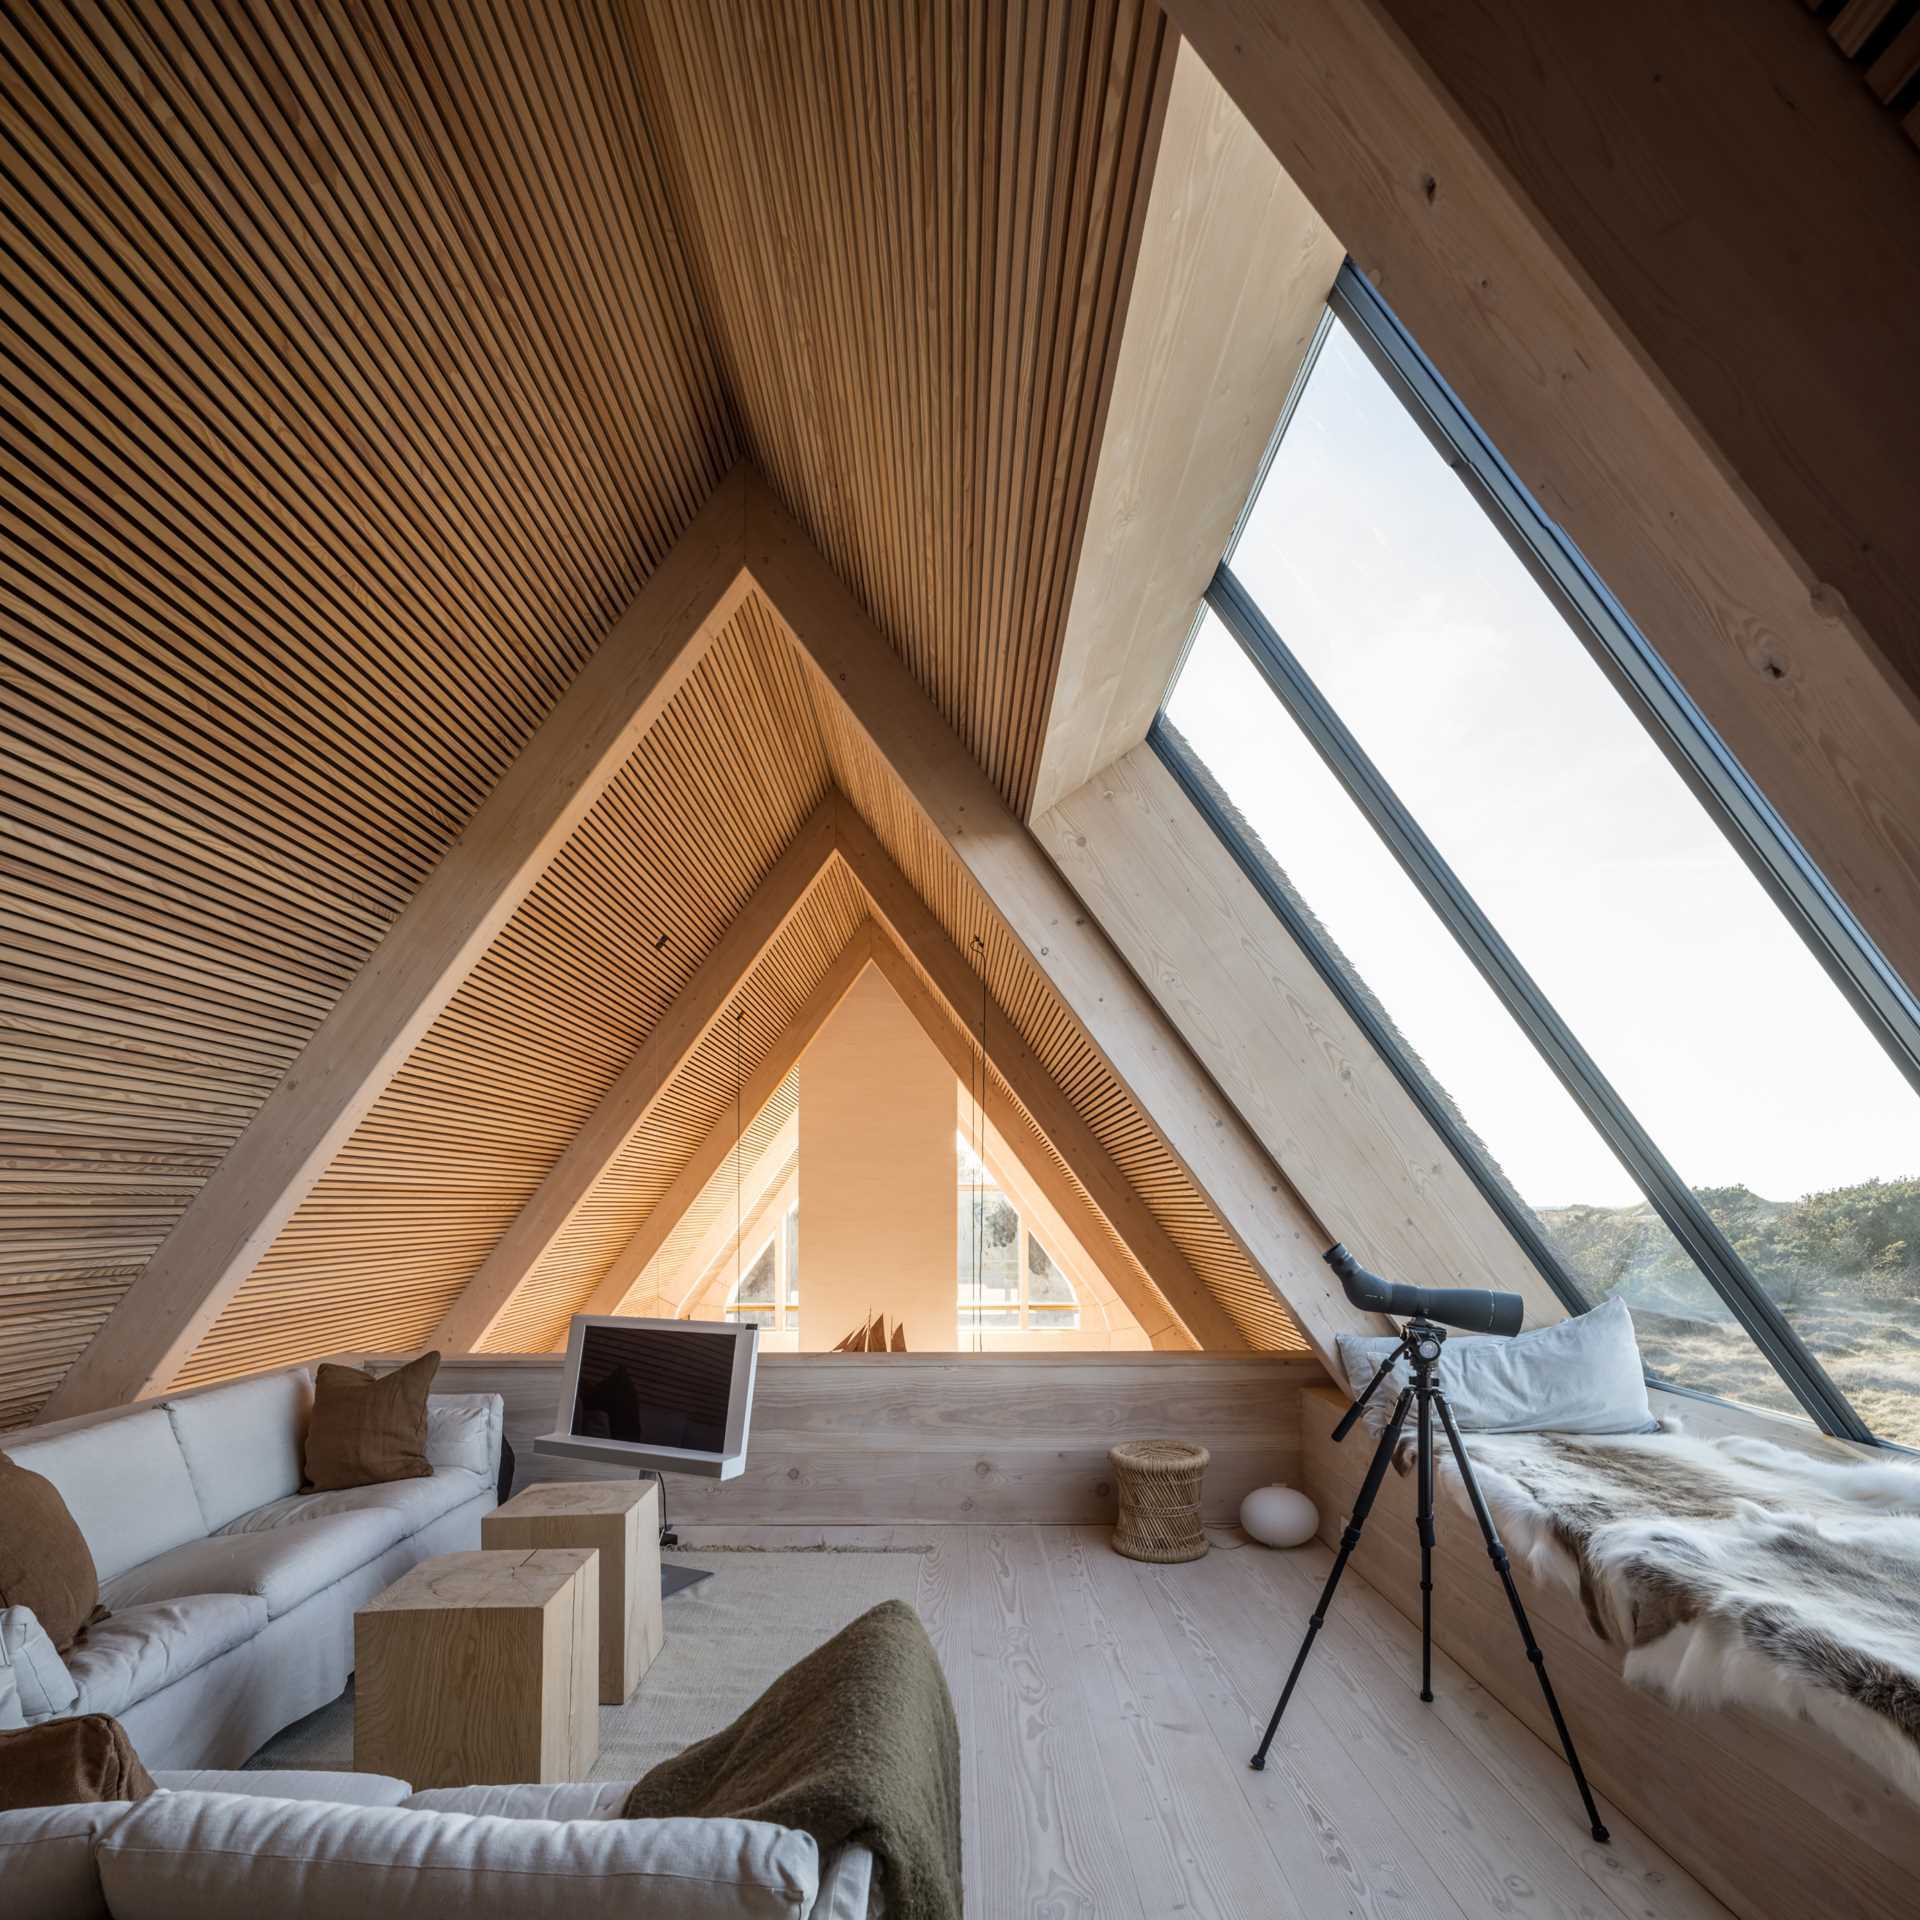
[{"x": 1578, "y": 840}]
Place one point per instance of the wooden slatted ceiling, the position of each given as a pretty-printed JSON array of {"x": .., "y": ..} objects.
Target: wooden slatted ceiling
[
  {"x": 913, "y": 227},
  {"x": 1023, "y": 994},
  {"x": 531, "y": 1042},
  {"x": 715, "y": 1198},
  {"x": 354, "y": 380}
]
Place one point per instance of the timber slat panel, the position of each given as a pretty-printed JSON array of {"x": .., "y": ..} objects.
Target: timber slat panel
[
  {"x": 354, "y": 382},
  {"x": 913, "y": 227}
]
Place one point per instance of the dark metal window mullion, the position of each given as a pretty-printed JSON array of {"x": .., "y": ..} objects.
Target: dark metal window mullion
[{"x": 1670, "y": 1196}]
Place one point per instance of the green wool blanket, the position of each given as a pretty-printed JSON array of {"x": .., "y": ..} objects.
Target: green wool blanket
[{"x": 855, "y": 1742}]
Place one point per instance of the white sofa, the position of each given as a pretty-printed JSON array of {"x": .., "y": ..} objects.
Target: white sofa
[
  {"x": 320, "y": 1846},
  {"x": 231, "y": 1593}
]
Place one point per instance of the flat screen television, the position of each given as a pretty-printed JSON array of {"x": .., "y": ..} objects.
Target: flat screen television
[{"x": 671, "y": 1396}]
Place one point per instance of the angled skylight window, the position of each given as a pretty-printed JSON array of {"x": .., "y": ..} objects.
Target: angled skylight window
[{"x": 1446, "y": 758}]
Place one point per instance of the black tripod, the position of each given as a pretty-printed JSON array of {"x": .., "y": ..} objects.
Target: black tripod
[{"x": 1421, "y": 1343}]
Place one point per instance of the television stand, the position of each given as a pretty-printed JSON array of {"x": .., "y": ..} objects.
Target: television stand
[{"x": 673, "y": 1579}]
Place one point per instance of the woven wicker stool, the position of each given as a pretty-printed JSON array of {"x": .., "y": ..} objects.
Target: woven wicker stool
[{"x": 1159, "y": 1499}]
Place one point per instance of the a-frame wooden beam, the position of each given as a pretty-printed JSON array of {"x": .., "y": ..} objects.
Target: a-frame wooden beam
[
  {"x": 624, "y": 1108},
  {"x": 1148, "y": 1305},
  {"x": 1184, "y": 1311},
  {"x": 428, "y": 951},
  {"x": 1120, "y": 1019},
  {"x": 762, "y": 1084}
]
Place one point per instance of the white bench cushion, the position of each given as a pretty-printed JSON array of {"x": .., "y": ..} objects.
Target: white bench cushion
[
  {"x": 46, "y": 1861},
  {"x": 211, "y": 1856},
  {"x": 418, "y": 1503},
  {"x": 283, "y": 1567},
  {"x": 243, "y": 1443},
  {"x": 126, "y": 1484},
  {"x": 138, "y": 1650}
]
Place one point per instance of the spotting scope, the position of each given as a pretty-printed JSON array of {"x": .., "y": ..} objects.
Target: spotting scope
[{"x": 1476, "y": 1309}]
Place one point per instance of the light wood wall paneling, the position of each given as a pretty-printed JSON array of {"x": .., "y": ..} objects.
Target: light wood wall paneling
[
  {"x": 1279, "y": 1046},
  {"x": 419, "y": 966},
  {"x": 876, "y": 1438},
  {"x": 914, "y": 231},
  {"x": 628, "y": 1104},
  {"x": 505, "y": 1077},
  {"x": 1773, "y": 1815},
  {"x": 1023, "y": 903},
  {"x": 1721, "y": 416},
  {"x": 696, "y": 1184},
  {"x": 355, "y": 383},
  {"x": 1232, "y": 280}
]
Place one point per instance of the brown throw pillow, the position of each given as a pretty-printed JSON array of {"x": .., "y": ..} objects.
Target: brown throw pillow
[
  {"x": 45, "y": 1562},
  {"x": 70, "y": 1763},
  {"x": 366, "y": 1430}
]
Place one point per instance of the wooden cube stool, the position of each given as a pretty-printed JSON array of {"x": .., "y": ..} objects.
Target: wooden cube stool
[
  {"x": 621, "y": 1518},
  {"x": 481, "y": 1669}
]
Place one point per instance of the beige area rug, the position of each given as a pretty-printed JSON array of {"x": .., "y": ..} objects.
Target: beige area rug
[{"x": 728, "y": 1639}]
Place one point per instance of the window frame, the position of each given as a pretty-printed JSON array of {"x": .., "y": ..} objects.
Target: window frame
[{"x": 1691, "y": 745}]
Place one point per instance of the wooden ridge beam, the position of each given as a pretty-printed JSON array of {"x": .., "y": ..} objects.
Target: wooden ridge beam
[
  {"x": 419, "y": 965},
  {"x": 624, "y": 1108},
  {"x": 1162, "y": 1323},
  {"x": 762, "y": 1084}
]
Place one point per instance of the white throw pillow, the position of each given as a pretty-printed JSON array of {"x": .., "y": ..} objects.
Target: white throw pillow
[
  {"x": 1582, "y": 1375},
  {"x": 39, "y": 1676}
]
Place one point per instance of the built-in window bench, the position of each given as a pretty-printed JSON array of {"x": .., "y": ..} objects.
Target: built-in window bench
[{"x": 1772, "y": 1814}]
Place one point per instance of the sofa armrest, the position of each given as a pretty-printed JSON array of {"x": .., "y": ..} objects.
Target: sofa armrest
[
  {"x": 291, "y": 1783},
  {"x": 466, "y": 1430},
  {"x": 849, "y": 1885}
]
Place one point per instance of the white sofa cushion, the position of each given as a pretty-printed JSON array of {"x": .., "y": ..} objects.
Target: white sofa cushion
[
  {"x": 283, "y": 1567},
  {"x": 292, "y": 1783},
  {"x": 36, "y": 1676},
  {"x": 211, "y": 1856},
  {"x": 566, "y": 1800},
  {"x": 417, "y": 1502},
  {"x": 243, "y": 1442},
  {"x": 46, "y": 1861},
  {"x": 463, "y": 1430},
  {"x": 1582, "y": 1375},
  {"x": 126, "y": 1484},
  {"x": 140, "y": 1649}
]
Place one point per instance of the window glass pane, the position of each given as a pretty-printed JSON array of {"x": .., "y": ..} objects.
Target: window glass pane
[
  {"x": 990, "y": 1233},
  {"x": 756, "y": 1284},
  {"x": 1321, "y": 850},
  {"x": 1614, "y": 886},
  {"x": 1050, "y": 1295},
  {"x": 793, "y": 1268}
]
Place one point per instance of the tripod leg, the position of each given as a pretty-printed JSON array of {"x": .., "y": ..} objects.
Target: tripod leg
[
  {"x": 1424, "y": 1521},
  {"x": 1369, "y": 1488},
  {"x": 1498, "y": 1555}
]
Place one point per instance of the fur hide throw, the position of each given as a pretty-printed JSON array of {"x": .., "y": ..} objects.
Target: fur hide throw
[{"x": 1730, "y": 1571}]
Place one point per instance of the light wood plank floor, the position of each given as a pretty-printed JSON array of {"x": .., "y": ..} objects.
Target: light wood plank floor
[{"x": 1107, "y": 1710}]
